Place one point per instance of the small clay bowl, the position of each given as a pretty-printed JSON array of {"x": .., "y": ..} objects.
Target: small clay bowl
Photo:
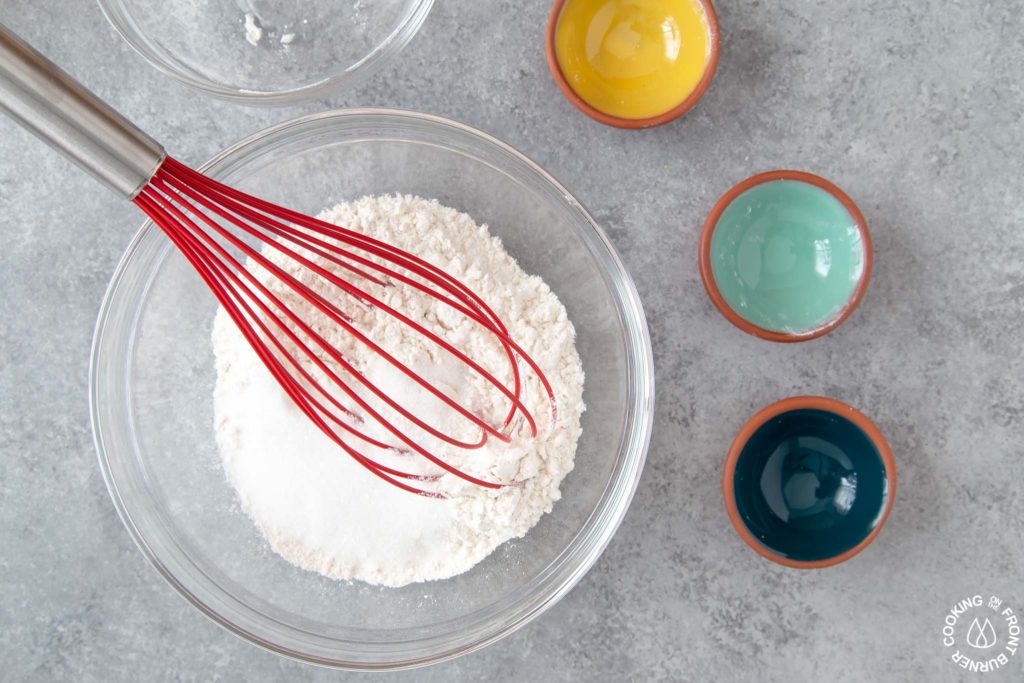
[
  {"x": 809, "y": 482},
  {"x": 714, "y": 43},
  {"x": 786, "y": 256}
]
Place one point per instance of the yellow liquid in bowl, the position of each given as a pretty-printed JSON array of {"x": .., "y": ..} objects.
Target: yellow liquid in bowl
[{"x": 633, "y": 59}]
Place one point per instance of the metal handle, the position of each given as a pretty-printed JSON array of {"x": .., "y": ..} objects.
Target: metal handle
[{"x": 41, "y": 97}]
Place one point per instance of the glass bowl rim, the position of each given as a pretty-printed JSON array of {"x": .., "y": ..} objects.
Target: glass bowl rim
[
  {"x": 120, "y": 19},
  {"x": 575, "y": 560}
]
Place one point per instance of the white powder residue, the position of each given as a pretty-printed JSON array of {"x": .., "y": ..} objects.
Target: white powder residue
[
  {"x": 324, "y": 512},
  {"x": 253, "y": 31},
  {"x": 287, "y": 38}
]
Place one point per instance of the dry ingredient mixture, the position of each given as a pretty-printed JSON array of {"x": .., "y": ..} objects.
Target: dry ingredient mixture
[
  {"x": 321, "y": 510},
  {"x": 254, "y": 31}
]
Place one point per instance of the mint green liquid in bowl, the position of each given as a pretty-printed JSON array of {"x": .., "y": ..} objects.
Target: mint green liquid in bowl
[{"x": 787, "y": 256}]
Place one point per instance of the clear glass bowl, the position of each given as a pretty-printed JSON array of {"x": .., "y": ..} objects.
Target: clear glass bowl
[
  {"x": 152, "y": 380},
  {"x": 307, "y": 47}
]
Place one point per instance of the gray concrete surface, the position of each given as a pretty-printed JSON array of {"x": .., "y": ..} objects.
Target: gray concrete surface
[{"x": 915, "y": 109}]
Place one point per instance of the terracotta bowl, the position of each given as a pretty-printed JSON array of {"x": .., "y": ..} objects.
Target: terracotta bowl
[
  {"x": 809, "y": 482},
  {"x": 672, "y": 114},
  {"x": 775, "y": 230}
]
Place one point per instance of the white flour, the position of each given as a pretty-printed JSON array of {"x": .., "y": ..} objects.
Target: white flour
[
  {"x": 320, "y": 509},
  {"x": 253, "y": 30}
]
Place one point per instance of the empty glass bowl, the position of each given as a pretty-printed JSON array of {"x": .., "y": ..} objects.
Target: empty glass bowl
[
  {"x": 267, "y": 51},
  {"x": 153, "y": 374}
]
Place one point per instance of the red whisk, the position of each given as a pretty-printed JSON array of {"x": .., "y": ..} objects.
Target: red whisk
[{"x": 229, "y": 237}]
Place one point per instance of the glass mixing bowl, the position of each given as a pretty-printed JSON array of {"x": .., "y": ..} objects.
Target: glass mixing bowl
[
  {"x": 305, "y": 48},
  {"x": 151, "y": 394}
]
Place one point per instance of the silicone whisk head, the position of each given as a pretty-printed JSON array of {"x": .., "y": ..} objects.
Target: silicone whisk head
[{"x": 260, "y": 260}]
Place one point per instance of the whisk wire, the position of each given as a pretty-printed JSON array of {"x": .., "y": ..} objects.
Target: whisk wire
[{"x": 176, "y": 192}]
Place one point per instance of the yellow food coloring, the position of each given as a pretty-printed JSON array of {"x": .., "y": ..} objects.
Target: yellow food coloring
[{"x": 633, "y": 59}]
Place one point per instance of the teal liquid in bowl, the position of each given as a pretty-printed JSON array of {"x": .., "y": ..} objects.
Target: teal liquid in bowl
[
  {"x": 786, "y": 256},
  {"x": 810, "y": 485}
]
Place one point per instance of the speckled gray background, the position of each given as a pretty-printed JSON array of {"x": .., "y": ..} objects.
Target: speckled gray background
[{"x": 915, "y": 110}]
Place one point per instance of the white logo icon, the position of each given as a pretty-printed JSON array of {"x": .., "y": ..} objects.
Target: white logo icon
[
  {"x": 992, "y": 623},
  {"x": 981, "y": 637}
]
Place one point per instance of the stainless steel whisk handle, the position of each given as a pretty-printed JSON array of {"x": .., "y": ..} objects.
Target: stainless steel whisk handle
[{"x": 36, "y": 93}]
